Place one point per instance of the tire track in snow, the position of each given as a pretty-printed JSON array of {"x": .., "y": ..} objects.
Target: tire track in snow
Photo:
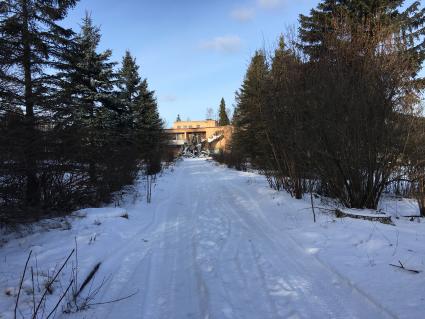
[
  {"x": 237, "y": 260},
  {"x": 270, "y": 229},
  {"x": 213, "y": 254},
  {"x": 173, "y": 292}
]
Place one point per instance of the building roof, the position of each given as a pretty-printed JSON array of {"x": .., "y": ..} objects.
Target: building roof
[{"x": 194, "y": 124}]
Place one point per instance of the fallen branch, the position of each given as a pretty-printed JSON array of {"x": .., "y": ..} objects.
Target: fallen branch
[
  {"x": 401, "y": 266},
  {"x": 384, "y": 219}
]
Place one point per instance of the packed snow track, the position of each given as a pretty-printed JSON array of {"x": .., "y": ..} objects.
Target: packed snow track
[{"x": 209, "y": 250}]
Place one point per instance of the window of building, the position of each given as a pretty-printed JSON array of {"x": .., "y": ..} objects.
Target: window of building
[
  {"x": 179, "y": 126},
  {"x": 198, "y": 126}
]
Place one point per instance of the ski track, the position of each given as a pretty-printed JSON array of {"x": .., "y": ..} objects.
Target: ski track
[{"x": 209, "y": 251}]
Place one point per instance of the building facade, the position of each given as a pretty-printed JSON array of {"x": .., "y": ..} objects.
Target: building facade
[{"x": 198, "y": 136}]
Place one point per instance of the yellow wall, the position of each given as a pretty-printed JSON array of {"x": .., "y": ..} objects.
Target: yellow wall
[
  {"x": 194, "y": 124},
  {"x": 181, "y": 130}
]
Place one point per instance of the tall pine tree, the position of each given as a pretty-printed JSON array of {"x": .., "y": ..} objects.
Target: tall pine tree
[
  {"x": 88, "y": 105},
  {"x": 406, "y": 23},
  {"x": 29, "y": 29},
  {"x": 222, "y": 113},
  {"x": 149, "y": 127},
  {"x": 88, "y": 78},
  {"x": 248, "y": 138},
  {"x": 129, "y": 82}
]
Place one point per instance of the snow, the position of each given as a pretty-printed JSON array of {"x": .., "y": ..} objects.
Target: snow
[
  {"x": 217, "y": 243},
  {"x": 364, "y": 212},
  {"x": 215, "y": 137},
  {"x": 100, "y": 213}
]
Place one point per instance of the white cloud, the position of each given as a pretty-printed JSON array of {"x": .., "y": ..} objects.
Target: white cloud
[
  {"x": 243, "y": 14},
  {"x": 269, "y": 4},
  {"x": 227, "y": 44},
  {"x": 169, "y": 98}
]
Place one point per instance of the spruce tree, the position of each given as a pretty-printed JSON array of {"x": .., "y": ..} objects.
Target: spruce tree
[
  {"x": 407, "y": 23},
  {"x": 251, "y": 100},
  {"x": 88, "y": 78},
  {"x": 149, "y": 128},
  {"x": 223, "y": 118},
  {"x": 89, "y": 106},
  {"x": 129, "y": 82},
  {"x": 32, "y": 43}
]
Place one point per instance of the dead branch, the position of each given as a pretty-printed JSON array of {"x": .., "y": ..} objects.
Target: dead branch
[
  {"x": 20, "y": 284},
  {"x": 60, "y": 300},
  {"x": 401, "y": 266},
  {"x": 33, "y": 289},
  {"x": 312, "y": 206},
  {"x": 384, "y": 219},
  {"x": 115, "y": 300},
  {"x": 50, "y": 283}
]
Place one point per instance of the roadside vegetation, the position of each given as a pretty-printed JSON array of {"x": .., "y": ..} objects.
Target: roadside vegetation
[
  {"x": 75, "y": 127},
  {"x": 336, "y": 109}
]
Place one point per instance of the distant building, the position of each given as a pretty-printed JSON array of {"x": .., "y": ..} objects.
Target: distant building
[{"x": 198, "y": 136}]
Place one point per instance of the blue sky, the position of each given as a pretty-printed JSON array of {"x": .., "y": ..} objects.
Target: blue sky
[{"x": 193, "y": 52}]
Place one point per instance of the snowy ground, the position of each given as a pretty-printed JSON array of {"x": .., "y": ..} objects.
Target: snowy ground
[{"x": 217, "y": 243}]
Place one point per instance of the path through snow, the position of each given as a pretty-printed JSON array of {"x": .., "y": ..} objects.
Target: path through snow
[
  {"x": 216, "y": 243},
  {"x": 209, "y": 251}
]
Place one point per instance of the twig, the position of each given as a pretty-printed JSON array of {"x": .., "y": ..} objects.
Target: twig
[
  {"x": 404, "y": 268},
  {"x": 115, "y": 300},
  {"x": 33, "y": 289},
  {"x": 76, "y": 268},
  {"x": 50, "y": 283},
  {"x": 60, "y": 299},
  {"x": 20, "y": 284},
  {"x": 36, "y": 268},
  {"x": 312, "y": 206}
]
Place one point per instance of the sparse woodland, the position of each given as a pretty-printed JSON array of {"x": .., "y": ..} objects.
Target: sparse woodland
[
  {"x": 336, "y": 108},
  {"x": 75, "y": 126}
]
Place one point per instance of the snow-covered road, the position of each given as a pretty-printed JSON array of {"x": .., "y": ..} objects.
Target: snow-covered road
[
  {"x": 209, "y": 250},
  {"x": 218, "y": 243}
]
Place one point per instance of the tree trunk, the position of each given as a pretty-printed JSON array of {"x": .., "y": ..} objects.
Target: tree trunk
[{"x": 32, "y": 186}]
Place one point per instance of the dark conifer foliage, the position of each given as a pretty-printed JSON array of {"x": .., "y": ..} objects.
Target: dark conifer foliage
[
  {"x": 87, "y": 76},
  {"x": 73, "y": 130},
  {"x": 129, "y": 83},
  {"x": 149, "y": 127},
  {"x": 223, "y": 118},
  {"x": 373, "y": 15},
  {"x": 31, "y": 43},
  {"x": 249, "y": 136}
]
